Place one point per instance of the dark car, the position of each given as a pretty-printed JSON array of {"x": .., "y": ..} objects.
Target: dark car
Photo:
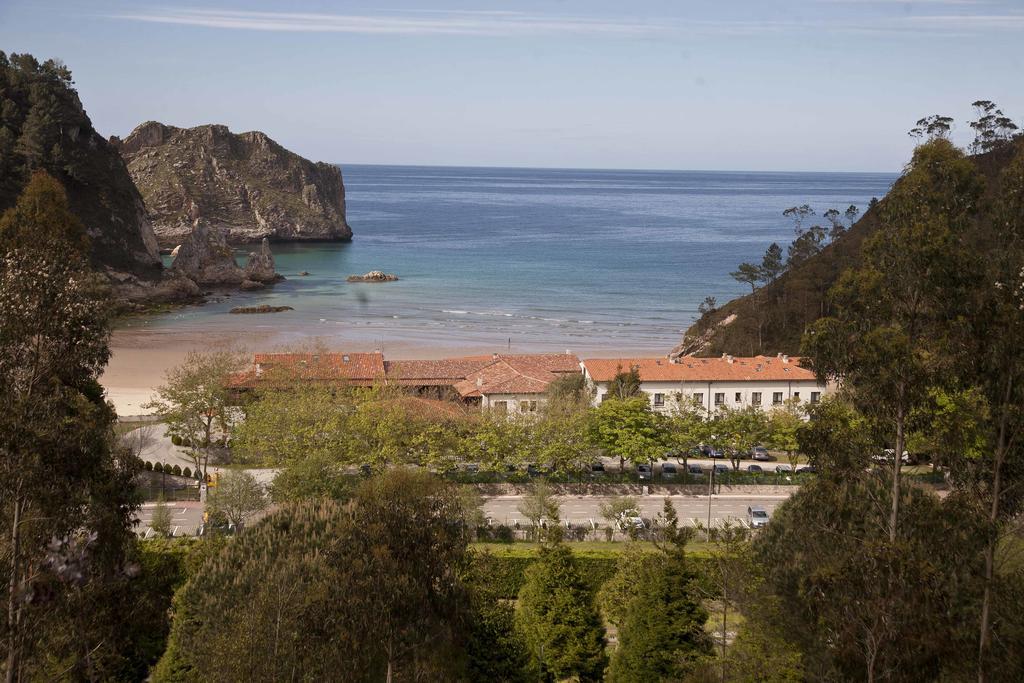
[
  {"x": 668, "y": 471},
  {"x": 720, "y": 468},
  {"x": 695, "y": 469},
  {"x": 533, "y": 470},
  {"x": 806, "y": 469},
  {"x": 717, "y": 453},
  {"x": 472, "y": 468},
  {"x": 754, "y": 468},
  {"x": 643, "y": 472},
  {"x": 597, "y": 469}
]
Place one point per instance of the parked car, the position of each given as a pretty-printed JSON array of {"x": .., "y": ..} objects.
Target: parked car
[
  {"x": 754, "y": 468},
  {"x": 760, "y": 453},
  {"x": 533, "y": 470},
  {"x": 472, "y": 468},
  {"x": 644, "y": 472},
  {"x": 721, "y": 468},
  {"x": 597, "y": 469},
  {"x": 783, "y": 469},
  {"x": 888, "y": 453},
  {"x": 757, "y": 516},
  {"x": 695, "y": 469},
  {"x": 668, "y": 471},
  {"x": 717, "y": 453},
  {"x": 631, "y": 519},
  {"x": 806, "y": 469}
]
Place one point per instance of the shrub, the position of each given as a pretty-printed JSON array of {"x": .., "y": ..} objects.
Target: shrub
[
  {"x": 176, "y": 470},
  {"x": 157, "y": 467},
  {"x": 175, "y": 439},
  {"x": 187, "y": 472},
  {"x": 148, "y": 466}
]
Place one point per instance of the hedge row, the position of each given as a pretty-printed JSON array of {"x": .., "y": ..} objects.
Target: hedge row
[{"x": 168, "y": 468}]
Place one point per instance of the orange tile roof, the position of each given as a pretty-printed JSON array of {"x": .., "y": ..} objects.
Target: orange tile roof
[
  {"x": 692, "y": 369},
  {"x": 355, "y": 368},
  {"x": 517, "y": 374}
]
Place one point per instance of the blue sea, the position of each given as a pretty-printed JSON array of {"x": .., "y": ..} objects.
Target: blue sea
[{"x": 525, "y": 259}]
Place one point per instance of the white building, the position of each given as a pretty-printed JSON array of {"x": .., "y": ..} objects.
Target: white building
[{"x": 712, "y": 383}]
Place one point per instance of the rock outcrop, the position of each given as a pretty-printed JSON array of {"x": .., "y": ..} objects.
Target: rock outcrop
[
  {"x": 373, "y": 276},
  {"x": 260, "y": 267},
  {"x": 260, "y": 309},
  {"x": 43, "y": 114},
  {"x": 245, "y": 184},
  {"x": 205, "y": 258}
]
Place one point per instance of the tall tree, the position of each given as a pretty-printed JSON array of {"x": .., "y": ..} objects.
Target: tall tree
[
  {"x": 625, "y": 384},
  {"x": 62, "y": 488},
  {"x": 880, "y": 342},
  {"x": 628, "y": 430},
  {"x": 992, "y": 128},
  {"x": 662, "y": 637},
  {"x": 749, "y": 274},
  {"x": 196, "y": 402},
  {"x": 772, "y": 264},
  {"x": 556, "y": 616}
]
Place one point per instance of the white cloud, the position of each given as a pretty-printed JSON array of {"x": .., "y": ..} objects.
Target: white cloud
[{"x": 470, "y": 23}]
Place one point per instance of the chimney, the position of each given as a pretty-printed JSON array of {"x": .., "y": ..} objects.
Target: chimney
[
  {"x": 728, "y": 359},
  {"x": 345, "y": 358},
  {"x": 785, "y": 359},
  {"x": 479, "y": 382},
  {"x": 494, "y": 356}
]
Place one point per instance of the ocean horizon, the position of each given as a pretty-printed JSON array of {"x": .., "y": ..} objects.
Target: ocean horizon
[{"x": 524, "y": 258}]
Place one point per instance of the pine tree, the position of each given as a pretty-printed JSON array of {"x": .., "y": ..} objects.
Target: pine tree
[
  {"x": 662, "y": 637},
  {"x": 557, "y": 619}
]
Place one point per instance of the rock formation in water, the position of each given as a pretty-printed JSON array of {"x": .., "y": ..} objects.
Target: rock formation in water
[
  {"x": 260, "y": 267},
  {"x": 43, "y": 126},
  {"x": 373, "y": 276},
  {"x": 206, "y": 258},
  {"x": 245, "y": 184}
]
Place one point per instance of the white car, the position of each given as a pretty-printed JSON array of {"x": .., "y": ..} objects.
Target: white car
[
  {"x": 783, "y": 469},
  {"x": 757, "y": 517}
]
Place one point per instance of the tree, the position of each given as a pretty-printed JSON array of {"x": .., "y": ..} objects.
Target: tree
[
  {"x": 931, "y": 127},
  {"x": 556, "y": 616},
  {"x": 709, "y": 305},
  {"x": 772, "y": 265},
  {"x": 540, "y": 507},
  {"x": 371, "y": 588},
  {"x": 628, "y": 429},
  {"x": 161, "y": 520},
  {"x": 857, "y": 605},
  {"x": 494, "y": 648},
  {"x": 619, "y": 507},
  {"x": 196, "y": 402},
  {"x": 569, "y": 393},
  {"x": 880, "y": 342},
  {"x": 238, "y": 497},
  {"x": 739, "y": 430},
  {"x": 617, "y": 592},
  {"x": 749, "y": 274},
  {"x": 783, "y": 424},
  {"x": 65, "y": 494},
  {"x": 288, "y": 424},
  {"x": 992, "y": 128},
  {"x": 836, "y": 438},
  {"x": 625, "y": 384},
  {"x": 662, "y": 635}
]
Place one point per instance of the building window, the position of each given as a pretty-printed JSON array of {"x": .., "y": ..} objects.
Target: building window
[
  {"x": 755, "y": 398},
  {"x": 796, "y": 395},
  {"x": 739, "y": 397},
  {"x": 527, "y": 406},
  {"x": 815, "y": 396},
  {"x": 698, "y": 398},
  {"x": 500, "y": 406},
  {"x": 719, "y": 399},
  {"x": 777, "y": 398},
  {"x": 659, "y": 400}
]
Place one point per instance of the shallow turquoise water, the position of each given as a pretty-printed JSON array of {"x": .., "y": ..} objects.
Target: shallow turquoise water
[{"x": 547, "y": 258}]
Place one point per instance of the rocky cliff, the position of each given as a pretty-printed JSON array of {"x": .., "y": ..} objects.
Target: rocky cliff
[
  {"x": 44, "y": 126},
  {"x": 244, "y": 184}
]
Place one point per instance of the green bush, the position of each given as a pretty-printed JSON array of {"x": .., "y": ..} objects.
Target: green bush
[
  {"x": 176, "y": 470},
  {"x": 148, "y": 466},
  {"x": 175, "y": 439},
  {"x": 187, "y": 472},
  {"x": 157, "y": 467}
]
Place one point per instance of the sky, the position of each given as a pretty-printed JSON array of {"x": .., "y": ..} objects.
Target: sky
[{"x": 790, "y": 85}]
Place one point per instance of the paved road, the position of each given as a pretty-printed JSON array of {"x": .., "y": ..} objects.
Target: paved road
[
  {"x": 503, "y": 509},
  {"x": 186, "y": 516}
]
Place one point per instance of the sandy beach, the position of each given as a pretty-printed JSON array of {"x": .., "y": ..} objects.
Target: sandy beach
[{"x": 141, "y": 358}]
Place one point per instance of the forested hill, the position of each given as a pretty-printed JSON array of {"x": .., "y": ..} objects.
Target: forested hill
[
  {"x": 43, "y": 126},
  {"x": 773, "y": 318}
]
